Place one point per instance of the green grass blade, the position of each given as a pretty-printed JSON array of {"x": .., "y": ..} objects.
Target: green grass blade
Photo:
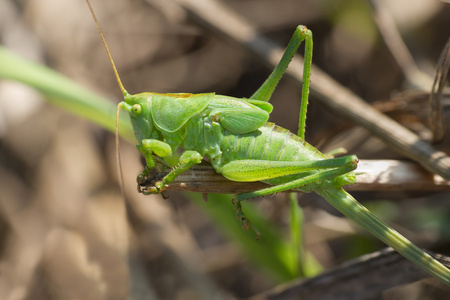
[
  {"x": 63, "y": 92},
  {"x": 296, "y": 229},
  {"x": 273, "y": 253},
  {"x": 351, "y": 208},
  {"x": 307, "y": 265}
]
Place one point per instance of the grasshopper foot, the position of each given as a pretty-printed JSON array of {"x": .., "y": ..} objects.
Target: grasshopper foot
[
  {"x": 142, "y": 179},
  {"x": 246, "y": 224},
  {"x": 158, "y": 188},
  {"x": 154, "y": 184}
]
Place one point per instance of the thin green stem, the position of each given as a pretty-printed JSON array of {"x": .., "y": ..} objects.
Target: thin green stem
[
  {"x": 297, "y": 235},
  {"x": 63, "y": 92},
  {"x": 351, "y": 208}
]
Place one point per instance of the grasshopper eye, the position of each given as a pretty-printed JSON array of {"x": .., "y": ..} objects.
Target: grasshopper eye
[{"x": 136, "y": 110}]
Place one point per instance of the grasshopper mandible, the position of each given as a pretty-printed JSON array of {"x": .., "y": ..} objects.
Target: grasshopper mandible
[{"x": 235, "y": 137}]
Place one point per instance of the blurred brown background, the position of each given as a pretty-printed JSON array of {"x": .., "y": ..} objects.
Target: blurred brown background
[{"x": 66, "y": 233}]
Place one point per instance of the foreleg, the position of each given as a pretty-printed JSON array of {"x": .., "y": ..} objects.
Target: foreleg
[
  {"x": 187, "y": 160},
  {"x": 149, "y": 147}
]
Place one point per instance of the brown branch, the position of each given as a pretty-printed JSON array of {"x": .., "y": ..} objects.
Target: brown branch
[
  {"x": 367, "y": 277},
  {"x": 377, "y": 175},
  {"x": 218, "y": 17}
]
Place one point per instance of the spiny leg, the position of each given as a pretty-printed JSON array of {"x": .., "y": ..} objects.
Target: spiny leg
[
  {"x": 250, "y": 170},
  {"x": 309, "y": 179},
  {"x": 246, "y": 224},
  {"x": 254, "y": 170},
  {"x": 267, "y": 88}
]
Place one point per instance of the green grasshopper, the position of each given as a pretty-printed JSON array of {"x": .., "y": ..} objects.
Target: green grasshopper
[{"x": 234, "y": 135}]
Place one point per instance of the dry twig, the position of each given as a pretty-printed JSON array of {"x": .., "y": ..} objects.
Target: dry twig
[
  {"x": 374, "y": 175},
  {"x": 436, "y": 119},
  {"x": 367, "y": 277}
]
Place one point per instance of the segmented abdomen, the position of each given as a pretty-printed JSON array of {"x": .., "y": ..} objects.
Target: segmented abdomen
[{"x": 269, "y": 142}]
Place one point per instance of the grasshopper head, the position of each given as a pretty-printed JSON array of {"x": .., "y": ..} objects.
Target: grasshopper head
[{"x": 139, "y": 108}]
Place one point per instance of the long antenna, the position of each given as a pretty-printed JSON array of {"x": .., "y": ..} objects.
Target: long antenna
[
  {"x": 119, "y": 106},
  {"x": 124, "y": 92}
]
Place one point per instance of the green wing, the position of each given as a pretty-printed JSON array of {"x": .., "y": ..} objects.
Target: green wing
[
  {"x": 171, "y": 111},
  {"x": 241, "y": 120}
]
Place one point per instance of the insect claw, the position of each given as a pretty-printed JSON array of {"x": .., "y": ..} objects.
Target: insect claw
[
  {"x": 244, "y": 222},
  {"x": 245, "y": 225},
  {"x": 258, "y": 234},
  {"x": 164, "y": 196},
  {"x": 140, "y": 179}
]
